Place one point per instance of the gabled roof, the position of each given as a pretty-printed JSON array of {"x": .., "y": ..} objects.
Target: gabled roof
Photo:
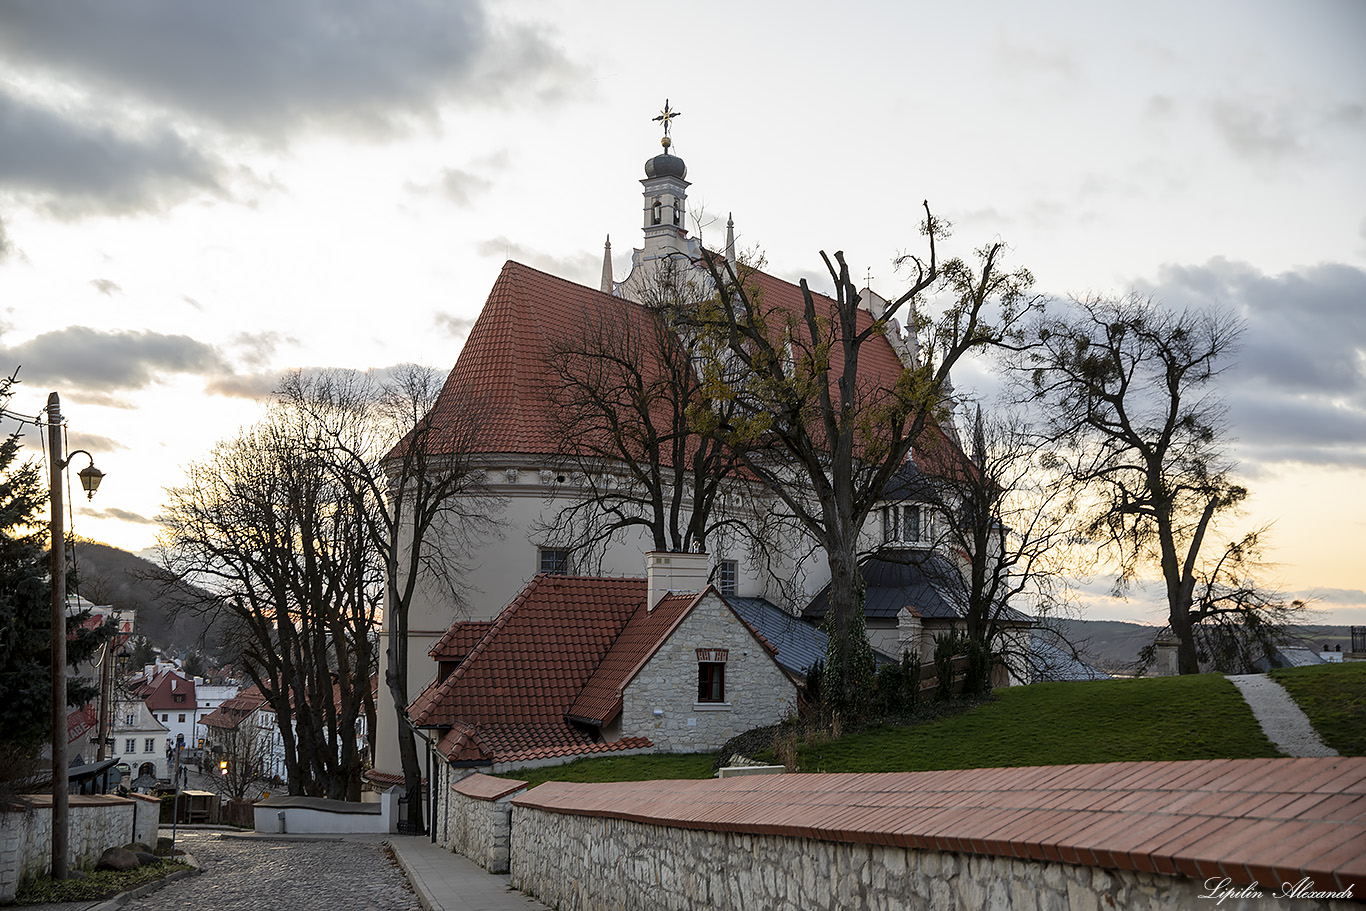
[
  {"x": 459, "y": 640},
  {"x": 600, "y": 699},
  {"x": 230, "y": 712},
  {"x": 161, "y": 690},
  {"x": 512, "y": 692},
  {"x": 505, "y": 367},
  {"x": 800, "y": 644}
]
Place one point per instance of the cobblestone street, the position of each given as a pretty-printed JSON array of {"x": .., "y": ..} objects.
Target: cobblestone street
[{"x": 247, "y": 874}]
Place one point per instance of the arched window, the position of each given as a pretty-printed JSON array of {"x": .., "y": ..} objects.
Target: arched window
[{"x": 656, "y": 212}]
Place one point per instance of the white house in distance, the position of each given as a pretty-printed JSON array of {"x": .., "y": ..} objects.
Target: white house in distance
[
  {"x": 140, "y": 742},
  {"x": 505, "y": 364}
]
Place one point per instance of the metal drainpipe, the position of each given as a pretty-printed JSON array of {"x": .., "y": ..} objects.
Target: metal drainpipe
[{"x": 431, "y": 787}]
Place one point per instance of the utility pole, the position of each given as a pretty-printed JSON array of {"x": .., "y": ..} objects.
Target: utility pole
[{"x": 57, "y": 570}]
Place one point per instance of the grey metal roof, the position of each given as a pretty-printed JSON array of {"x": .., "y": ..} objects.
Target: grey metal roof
[
  {"x": 1049, "y": 662},
  {"x": 799, "y": 644},
  {"x": 894, "y": 579}
]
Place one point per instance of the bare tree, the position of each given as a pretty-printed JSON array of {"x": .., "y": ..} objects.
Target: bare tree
[
  {"x": 421, "y": 497},
  {"x": 819, "y": 429},
  {"x": 624, "y": 393},
  {"x": 999, "y": 528},
  {"x": 1129, "y": 388},
  {"x": 263, "y": 525}
]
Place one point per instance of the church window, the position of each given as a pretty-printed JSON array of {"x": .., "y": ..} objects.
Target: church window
[
  {"x": 905, "y": 524},
  {"x": 656, "y": 212},
  {"x": 678, "y": 214},
  {"x": 727, "y": 572},
  {"x": 554, "y": 560}
]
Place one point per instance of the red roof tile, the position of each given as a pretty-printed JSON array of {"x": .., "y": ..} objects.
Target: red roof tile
[
  {"x": 1074, "y": 814},
  {"x": 512, "y": 693},
  {"x": 230, "y": 712},
  {"x": 459, "y": 640},
  {"x": 505, "y": 367},
  {"x": 600, "y": 699}
]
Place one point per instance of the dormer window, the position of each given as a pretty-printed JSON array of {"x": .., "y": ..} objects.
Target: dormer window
[{"x": 905, "y": 523}]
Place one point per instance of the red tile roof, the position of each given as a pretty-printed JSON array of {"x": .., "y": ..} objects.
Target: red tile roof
[
  {"x": 511, "y": 694},
  {"x": 505, "y": 365},
  {"x": 230, "y": 712},
  {"x": 600, "y": 699},
  {"x": 459, "y": 640},
  {"x": 159, "y": 693}
]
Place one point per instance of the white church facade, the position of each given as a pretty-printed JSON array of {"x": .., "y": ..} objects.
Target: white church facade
[{"x": 503, "y": 364}]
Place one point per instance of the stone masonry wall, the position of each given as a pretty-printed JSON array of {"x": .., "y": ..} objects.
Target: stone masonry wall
[
  {"x": 587, "y": 863},
  {"x": 756, "y": 690},
  {"x": 477, "y": 820},
  {"x": 93, "y": 824}
]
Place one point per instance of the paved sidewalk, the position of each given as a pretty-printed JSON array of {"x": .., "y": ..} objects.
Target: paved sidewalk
[
  {"x": 1283, "y": 722},
  {"x": 445, "y": 881}
]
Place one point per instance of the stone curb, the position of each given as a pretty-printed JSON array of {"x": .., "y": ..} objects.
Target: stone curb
[
  {"x": 123, "y": 898},
  {"x": 424, "y": 897}
]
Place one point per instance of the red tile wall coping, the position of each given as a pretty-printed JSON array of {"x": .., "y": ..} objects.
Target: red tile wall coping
[
  {"x": 38, "y": 801},
  {"x": 1263, "y": 821},
  {"x": 486, "y": 787}
]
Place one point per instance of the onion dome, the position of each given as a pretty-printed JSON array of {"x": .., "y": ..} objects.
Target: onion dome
[{"x": 665, "y": 164}]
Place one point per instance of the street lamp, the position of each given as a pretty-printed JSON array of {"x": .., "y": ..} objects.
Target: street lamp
[{"x": 90, "y": 481}]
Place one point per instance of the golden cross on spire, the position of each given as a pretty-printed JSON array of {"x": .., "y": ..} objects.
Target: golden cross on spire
[{"x": 667, "y": 115}]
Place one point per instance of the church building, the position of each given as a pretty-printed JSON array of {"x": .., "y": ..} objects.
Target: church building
[{"x": 585, "y": 689}]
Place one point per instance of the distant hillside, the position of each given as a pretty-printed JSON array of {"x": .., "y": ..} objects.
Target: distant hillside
[
  {"x": 1113, "y": 645},
  {"x": 108, "y": 575}
]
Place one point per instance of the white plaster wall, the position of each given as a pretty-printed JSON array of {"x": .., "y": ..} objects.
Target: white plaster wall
[
  {"x": 26, "y": 838},
  {"x": 500, "y": 568},
  {"x": 757, "y": 692}
]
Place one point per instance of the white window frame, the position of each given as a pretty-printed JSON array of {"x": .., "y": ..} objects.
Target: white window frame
[
  {"x": 897, "y": 516},
  {"x": 728, "y": 577},
  {"x": 564, "y": 565}
]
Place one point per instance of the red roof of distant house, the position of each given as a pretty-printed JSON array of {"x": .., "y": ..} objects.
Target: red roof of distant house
[
  {"x": 230, "y": 713},
  {"x": 161, "y": 691}
]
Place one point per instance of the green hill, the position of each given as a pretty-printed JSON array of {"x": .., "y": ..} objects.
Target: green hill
[{"x": 109, "y": 575}]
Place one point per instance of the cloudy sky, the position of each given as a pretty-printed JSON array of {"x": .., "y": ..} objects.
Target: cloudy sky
[{"x": 195, "y": 197}]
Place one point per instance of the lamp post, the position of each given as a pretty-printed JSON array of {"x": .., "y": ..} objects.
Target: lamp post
[{"x": 90, "y": 481}]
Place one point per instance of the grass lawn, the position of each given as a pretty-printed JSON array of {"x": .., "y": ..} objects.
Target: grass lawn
[
  {"x": 95, "y": 885},
  {"x": 1161, "y": 718},
  {"x": 1334, "y": 698},
  {"x": 622, "y": 768}
]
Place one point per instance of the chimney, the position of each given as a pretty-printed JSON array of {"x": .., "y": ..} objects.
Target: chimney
[{"x": 667, "y": 572}]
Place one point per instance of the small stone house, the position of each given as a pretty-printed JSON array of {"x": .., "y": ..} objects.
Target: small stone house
[{"x": 576, "y": 666}]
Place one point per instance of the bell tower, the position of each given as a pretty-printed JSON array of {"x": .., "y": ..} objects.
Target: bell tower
[{"x": 665, "y": 209}]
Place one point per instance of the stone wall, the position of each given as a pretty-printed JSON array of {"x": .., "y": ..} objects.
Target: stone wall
[
  {"x": 93, "y": 824},
  {"x": 476, "y": 819},
  {"x": 586, "y": 863},
  {"x": 659, "y": 702}
]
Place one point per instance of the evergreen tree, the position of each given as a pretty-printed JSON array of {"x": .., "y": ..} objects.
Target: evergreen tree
[{"x": 25, "y": 604}]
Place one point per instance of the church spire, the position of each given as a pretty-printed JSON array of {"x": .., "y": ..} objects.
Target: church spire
[
  {"x": 730, "y": 240},
  {"x": 606, "y": 285}
]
